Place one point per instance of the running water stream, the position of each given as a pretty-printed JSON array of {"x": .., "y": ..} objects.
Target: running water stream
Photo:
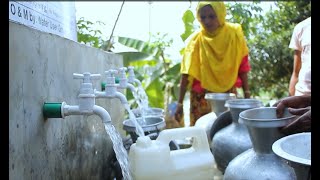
[
  {"x": 120, "y": 151},
  {"x": 141, "y": 99}
]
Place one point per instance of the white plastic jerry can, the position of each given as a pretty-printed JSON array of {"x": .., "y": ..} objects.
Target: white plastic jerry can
[{"x": 152, "y": 159}]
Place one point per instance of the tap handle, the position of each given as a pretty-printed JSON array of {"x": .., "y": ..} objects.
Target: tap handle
[
  {"x": 111, "y": 73},
  {"x": 123, "y": 72},
  {"x": 130, "y": 70},
  {"x": 131, "y": 75},
  {"x": 110, "y": 76},
  {"x": 108, "y": 73},
  {"x": 123, "y": 69},
  {"x": 87, "y": 77}
]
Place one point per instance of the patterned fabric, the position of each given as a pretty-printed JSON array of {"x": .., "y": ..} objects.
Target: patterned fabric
[
  {"x": 172, "y": 123},
  {"x": 199, "y": 106}
]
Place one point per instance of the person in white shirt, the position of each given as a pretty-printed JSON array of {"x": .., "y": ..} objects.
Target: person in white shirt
[{"x": 300, "y": 82}]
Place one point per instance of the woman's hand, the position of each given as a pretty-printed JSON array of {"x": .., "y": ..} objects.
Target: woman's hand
[{"x": 179, "y": 112}]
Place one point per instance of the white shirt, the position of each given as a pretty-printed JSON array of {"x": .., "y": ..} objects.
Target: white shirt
[{"x": 301, "y": 40}]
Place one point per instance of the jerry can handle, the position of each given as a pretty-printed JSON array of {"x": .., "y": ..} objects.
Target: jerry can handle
[{"x": 200, "y": 141}]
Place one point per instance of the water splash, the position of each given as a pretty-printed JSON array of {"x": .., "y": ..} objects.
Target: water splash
[
  {"x": 142, "y": 96},
  {"x": 141, "y": 99},
  {"x": 132, "y": 117},
  {"x": 121, "y": 153}
]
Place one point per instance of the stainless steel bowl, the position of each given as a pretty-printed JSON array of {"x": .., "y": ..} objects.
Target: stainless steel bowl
[{"x": 217, "y": 101}]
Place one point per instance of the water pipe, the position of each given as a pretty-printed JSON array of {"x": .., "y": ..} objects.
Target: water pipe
[
  {"x": 123, "y": 80},
  {"x": 131, "y": 77},
  {"x": 86, "y": 102},
  {"x": 111, "y": 88}
]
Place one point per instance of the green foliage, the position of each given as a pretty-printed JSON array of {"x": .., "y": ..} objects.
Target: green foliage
[
  {"x": 268, "y": 37},
  {"x": 244, "y": 14},
  {"x": 155, "y": 92},
  {"x": 141, "y": 46},
  {"x": 188, "y": 19},
  {"x": 130, "y": 57},
  {"x": 89, "y": 36},
  {"x": 271, "y": 58},
  {"x": 151, "y": 67}
]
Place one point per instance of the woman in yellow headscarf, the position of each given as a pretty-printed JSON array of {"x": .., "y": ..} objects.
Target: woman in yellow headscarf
[{"x": 215, "y": 60}]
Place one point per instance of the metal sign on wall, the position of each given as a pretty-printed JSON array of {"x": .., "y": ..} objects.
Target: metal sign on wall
[{"x": 56, "y": 17}]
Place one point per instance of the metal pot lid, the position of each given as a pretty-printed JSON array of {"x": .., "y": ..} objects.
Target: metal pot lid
[{"x": 295, "y": 148}]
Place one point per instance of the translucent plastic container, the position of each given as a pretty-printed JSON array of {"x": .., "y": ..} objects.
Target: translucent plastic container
[{"x": 152, "y": 159}]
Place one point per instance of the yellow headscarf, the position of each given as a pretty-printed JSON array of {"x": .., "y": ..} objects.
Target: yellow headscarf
[{"x": 214, "y": 58}]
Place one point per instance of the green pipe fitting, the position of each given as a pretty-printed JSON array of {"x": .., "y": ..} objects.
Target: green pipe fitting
[
  {"x": 117, "y": 80},
  {"x": 103, "y": 86},
  {"x": 52, "y": 110}
]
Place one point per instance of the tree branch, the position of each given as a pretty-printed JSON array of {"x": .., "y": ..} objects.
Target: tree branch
[{"x": 109, "y": 42}]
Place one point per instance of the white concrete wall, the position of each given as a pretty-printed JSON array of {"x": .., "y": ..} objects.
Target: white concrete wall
[{"x": 41, "y": 67}]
